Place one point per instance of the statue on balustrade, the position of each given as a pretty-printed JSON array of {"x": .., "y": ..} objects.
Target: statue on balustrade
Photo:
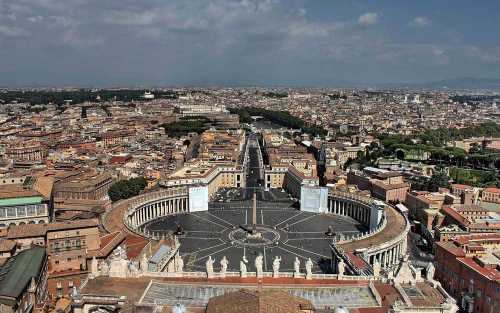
[
  {"x": 243, "y": 266},
  {"x": 223, "y": 265},
  {"x": 210, "y": 265},
  {"x": 276, "y": 265},
  {"x": 259, "y": 262},
  {"x": 296, "y": 266},
  {"x": 309, "y": 266}
]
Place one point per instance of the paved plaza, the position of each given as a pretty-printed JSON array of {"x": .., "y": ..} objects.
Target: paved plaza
[{"x": 286, "y": 232}]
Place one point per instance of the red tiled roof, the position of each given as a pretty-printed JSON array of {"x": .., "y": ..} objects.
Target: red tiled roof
[
  {"x": 107, "y": 244},
  {"x": 456, "y": 216},
  {"x": 492, "y": 190},
  {"x": 461, "y": 186},
  {"x": 119, "y": 159},
  {"x": 40, "y": 230},
  {"x": 134, "y": 245},
  {"x": 357, "y": 261},
  {"x": 476, "y": 237},
  {"x": 490, "y": 273},
  {"x": 451, "y": 248}
]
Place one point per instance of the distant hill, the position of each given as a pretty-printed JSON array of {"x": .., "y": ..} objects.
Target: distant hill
[{"x": 459, "y": 83}]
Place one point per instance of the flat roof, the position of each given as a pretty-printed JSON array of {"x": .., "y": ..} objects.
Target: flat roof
[{"x": 20, "y": 201}]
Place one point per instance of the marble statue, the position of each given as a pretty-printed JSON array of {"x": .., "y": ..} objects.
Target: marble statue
[
  {"x": 104, "y": 268},
  {"x": 179, "y": 264},
  {"x": 94, "y": 267},
  {"x": 429, "y": 271},
  {"x": 390, "y": 275},
  {"x": 119, "y": 268},
  {"x": 223, "y": 265},
  {"x": 210, "y": 265},
  {"x": 341, "y": 268},
  {"x": 143, "y": 263},
  {"x": 243, "y": 266},
  {"x": 296, "y": 266},
  {"x": 259, "y": 262},
  {"x": 376, "y": 268},
  {"x": 133, "y": 269},
  {"x": 276, "y": 265},
  {"x": 309, "y": 266}
]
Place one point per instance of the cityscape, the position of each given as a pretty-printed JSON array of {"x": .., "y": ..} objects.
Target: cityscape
[{"x": 221, "y": 192}]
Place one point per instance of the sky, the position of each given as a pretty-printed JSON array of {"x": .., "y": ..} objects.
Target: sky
[{"x": 104, "y": 43}]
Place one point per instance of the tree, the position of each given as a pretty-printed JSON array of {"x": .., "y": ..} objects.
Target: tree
[
  {"x": 124, "y": 189},
  {"x": 475, "y": 148},
  {"x": 438, "y": 180}
]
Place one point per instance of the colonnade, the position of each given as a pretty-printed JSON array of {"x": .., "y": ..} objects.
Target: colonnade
[
  {"x": 347, "y": 207},
  {"x": 152, "y": 210},
  {"x": 390, "y": 256},
  {"x": 386, "y": 253}
]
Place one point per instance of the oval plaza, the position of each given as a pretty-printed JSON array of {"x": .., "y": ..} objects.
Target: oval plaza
[{"x": 325, "y": 226}]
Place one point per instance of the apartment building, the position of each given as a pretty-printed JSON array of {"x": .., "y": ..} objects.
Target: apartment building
[{"x": 468, "y": 268}]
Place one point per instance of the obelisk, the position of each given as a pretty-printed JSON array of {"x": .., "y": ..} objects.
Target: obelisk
[{"x": 254, "y": 213}]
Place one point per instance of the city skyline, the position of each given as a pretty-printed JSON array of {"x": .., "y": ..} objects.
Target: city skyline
[{"x": 245, "y": 43}]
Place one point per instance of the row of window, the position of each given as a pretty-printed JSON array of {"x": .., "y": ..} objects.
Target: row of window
[
  {"x": 68, "y": 259},
  {"x": 23, "y": 211},
  {"x": 66, "y": 245}
]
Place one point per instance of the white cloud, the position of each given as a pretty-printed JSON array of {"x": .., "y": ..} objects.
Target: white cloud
[
  {"x": 202, "y": 41},
  {"x": 421, "y": 21},
  {"x": 370, "y": 18}
]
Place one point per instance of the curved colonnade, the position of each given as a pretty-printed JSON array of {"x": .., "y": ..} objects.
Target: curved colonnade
[
  {"x": 150, "y": 206},
  {"x": 383, "y": 244},
  {"x": 386, "y": 245}
]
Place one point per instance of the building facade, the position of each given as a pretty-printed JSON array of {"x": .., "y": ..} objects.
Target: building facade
[{"x": 468, "y": 268}]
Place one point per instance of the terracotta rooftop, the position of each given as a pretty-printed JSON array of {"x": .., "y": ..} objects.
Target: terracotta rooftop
[
  {"x": 134, "y": 245},
  {"x": 492, "y": 190},
  {"x": 107, "y": 244},
  {"x": 461, "y": 186},
  {"x": 7, "y": 245},
  {"x": 40, "y": 230},
  {"x": 449, "y": 211},
  {"x": 489, "y": 272},
  {"x": 17, "y": 191},
  {"x": 267, "y": 301}
]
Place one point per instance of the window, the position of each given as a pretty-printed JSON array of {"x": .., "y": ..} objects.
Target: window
[{"x": 11, "y": 212}]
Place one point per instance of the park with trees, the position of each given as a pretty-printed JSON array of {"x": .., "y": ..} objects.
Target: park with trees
[
  {"x": 479, "y": 167},
  {"x": 127, "y": 188}
]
